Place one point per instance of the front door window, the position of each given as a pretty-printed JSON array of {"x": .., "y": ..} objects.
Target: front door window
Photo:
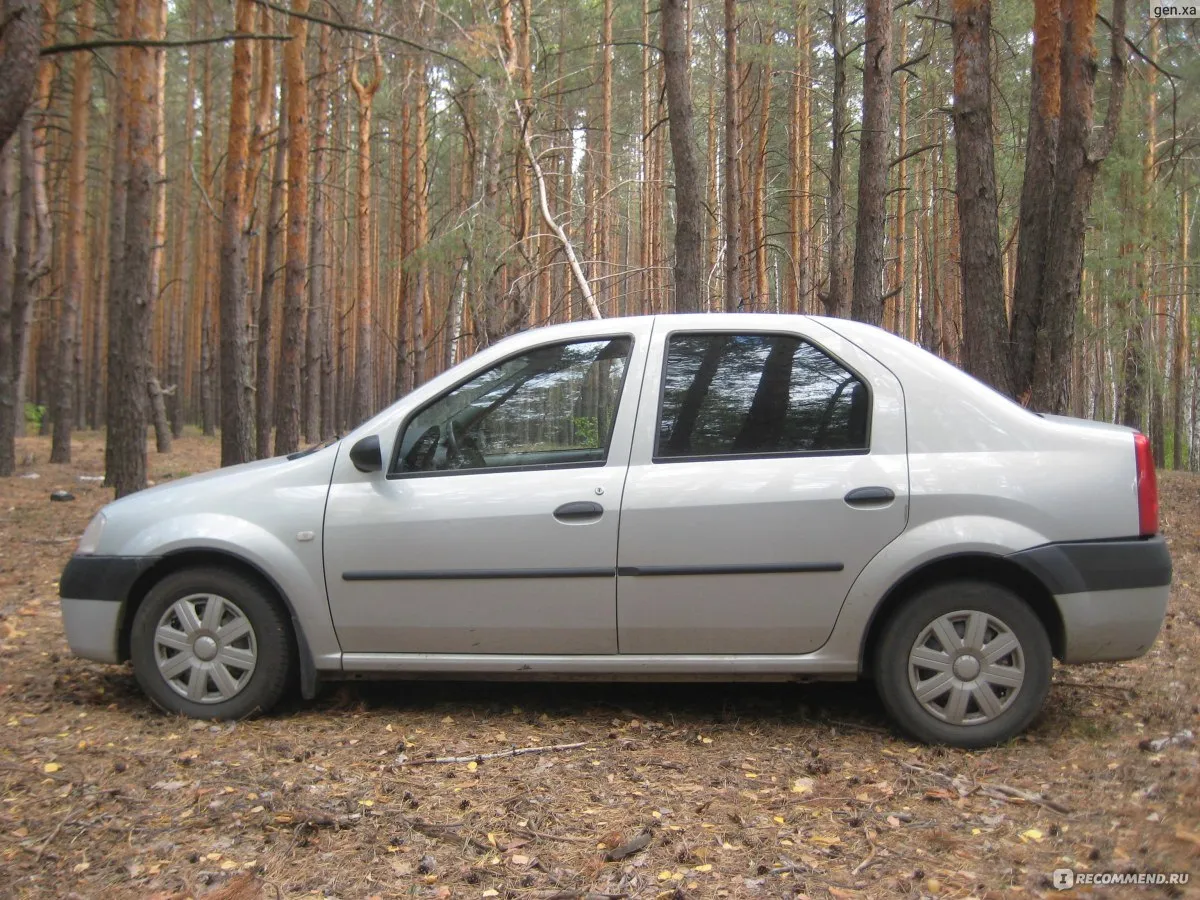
[{"x": 548, "y": 408}]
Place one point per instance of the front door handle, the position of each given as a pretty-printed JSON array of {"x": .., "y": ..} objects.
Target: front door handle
[
  {"x": 578, "y": 511},
  {"x": 870, "y": 496}
]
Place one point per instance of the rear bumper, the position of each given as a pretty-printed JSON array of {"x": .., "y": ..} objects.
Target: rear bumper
[
  {"x": 94, "y": 591},
  {"x": 1103, "y": 626},
  {"x": 1112, "y": 595}
]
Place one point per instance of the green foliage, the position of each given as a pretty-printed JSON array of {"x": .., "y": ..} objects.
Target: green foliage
[
  {"x": 34, "y": 413},
  {"x": 587, "y": 431}
]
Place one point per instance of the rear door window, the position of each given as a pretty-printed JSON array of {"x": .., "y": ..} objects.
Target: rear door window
[{"x": 731, "y": 395}]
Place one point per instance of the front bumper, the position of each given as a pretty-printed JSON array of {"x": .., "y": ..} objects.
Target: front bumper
[
  {"x": 1112, "y": 595},
  {"x": 94, "y": 591}
]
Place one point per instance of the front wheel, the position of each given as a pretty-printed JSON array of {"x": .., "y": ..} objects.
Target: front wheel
[
  {"x": 965, "y": 663},
  {"x": 211, "y": 644}
]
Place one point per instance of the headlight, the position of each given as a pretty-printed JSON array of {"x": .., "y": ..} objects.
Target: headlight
[{"x": 91, "y": 535}]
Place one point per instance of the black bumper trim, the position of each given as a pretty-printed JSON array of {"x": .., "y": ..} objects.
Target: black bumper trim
[
  {"x": 102, "y": 577},
  {"x": 1120, "y": 565}
]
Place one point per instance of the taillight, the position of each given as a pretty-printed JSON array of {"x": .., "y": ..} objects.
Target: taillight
[{"x": 1147, "y": 486}]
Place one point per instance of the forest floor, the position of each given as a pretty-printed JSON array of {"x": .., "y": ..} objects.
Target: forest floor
[{"x": 738, "y": 790}]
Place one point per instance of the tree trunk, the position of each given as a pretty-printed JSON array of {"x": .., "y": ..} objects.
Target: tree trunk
[
  {"x": 158, "y": 415},
  {"x": 8, "y": 225},
  {"x": 24, "y": 275},
  {"x": 1183, "y": 345},
  {"x": 1037, "y": 188},
  {"x": 689, "y": 210},
  {"x": 316, "y": 332},
  {"x": 733, "y": 299},
  {"x": 264, "y": 375},
  {"x": 867, "y": 294},
  {"x": 20, "y": 40},
  {"x": 985, "y": 327},
  {"x": 287, "y": 403},
  {"x": 836, "y": 302},
  {"x": 63, "y": 411},
  {"x": 1075, "y": 174},
  {"x": 363, "y": 404},
  {"x": 236, "y": 387},
  {"x": 128, "y": 350}
]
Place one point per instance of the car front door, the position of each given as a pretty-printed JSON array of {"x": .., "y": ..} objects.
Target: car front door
[
  {"x": 493, "y": 528},
  {"x": 769, "y": 466}
]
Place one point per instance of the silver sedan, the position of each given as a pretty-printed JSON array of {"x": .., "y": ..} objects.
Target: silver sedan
[{"x": 717, "y": 496}]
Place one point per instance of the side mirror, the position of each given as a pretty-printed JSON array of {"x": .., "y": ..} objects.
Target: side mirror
[{"x": 366, "y": 455}]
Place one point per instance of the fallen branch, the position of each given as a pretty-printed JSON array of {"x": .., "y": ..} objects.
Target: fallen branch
[
  {"x": 1000, "y": 791},
  {"x": 482, "y": 757},
  {"x": 528, "y": 832},
  {"x": 53, "y": 834}
]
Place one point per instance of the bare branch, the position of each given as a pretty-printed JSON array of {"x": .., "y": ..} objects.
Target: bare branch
[{"x": 102, "y": 44}]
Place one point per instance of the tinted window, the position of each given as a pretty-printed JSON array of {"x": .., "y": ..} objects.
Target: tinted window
[
  {"x": 552, "y": 406},
  {"x": 757, "y": 393}
]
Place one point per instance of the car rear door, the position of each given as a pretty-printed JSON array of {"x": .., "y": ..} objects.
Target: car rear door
[{"x": 769, "y": 465}]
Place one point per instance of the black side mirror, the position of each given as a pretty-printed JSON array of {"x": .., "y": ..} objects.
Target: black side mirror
[{"x": 366, "y": 455}]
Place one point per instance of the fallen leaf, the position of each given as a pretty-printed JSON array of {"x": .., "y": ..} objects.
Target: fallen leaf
[
  {"x": 51, "y": 767},
  {"x": 1032, "y": 834},
  {"x": 1185, "y": 835},
  {"x": 802, "y": 786}
]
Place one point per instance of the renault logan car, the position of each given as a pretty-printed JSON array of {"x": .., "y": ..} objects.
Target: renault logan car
[{"x": 713, "y": 496}]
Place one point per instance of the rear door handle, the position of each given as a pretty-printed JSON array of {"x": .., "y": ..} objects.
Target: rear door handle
[
  {"x": 578, "y": 511},
  {"x": 870, "y": 496}
]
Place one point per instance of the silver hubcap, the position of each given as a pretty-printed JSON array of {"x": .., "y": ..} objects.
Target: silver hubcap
[
  {"x": 205, "y": 648},
  {"x": 966, "y": 667}
]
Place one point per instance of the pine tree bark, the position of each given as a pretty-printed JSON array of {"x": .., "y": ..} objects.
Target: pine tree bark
[
  {"x": 25, "y": 271},
  {"x": 1037, "y": 188},
  {"x": 287, "y": 403},
  {"x": 733, "y": 298},
  {"x": 128, "y": 350},
  {"x": 689, "y": 260},
  {"x": 836, "y": 302},
  {"x": 264, "y": 373},
  {"x": 867, "y": 294},
  {"x": 236, "y": 388},
  {"x": 20, "y": 40},
  {"x": 1076, "y": 167},
  {"x": 8, "y": 228},
  {"x": 1182, "y": 363},
  {"x": 63, "y": 410},
  {"x": 316, "y": 333},
  {"x": 364, "y": 373},
  {"x": 985, "y": 326}
]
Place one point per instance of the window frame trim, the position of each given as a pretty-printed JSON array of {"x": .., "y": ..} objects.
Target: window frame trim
[
  {"x": 656, "y": 459},
  {"x": 394, "y": 475}
]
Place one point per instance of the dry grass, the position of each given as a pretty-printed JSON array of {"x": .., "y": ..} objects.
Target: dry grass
[{"x": 745, "y": 790}]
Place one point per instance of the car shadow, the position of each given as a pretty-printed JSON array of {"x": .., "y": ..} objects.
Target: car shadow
[{"x": 852, "y": 705}]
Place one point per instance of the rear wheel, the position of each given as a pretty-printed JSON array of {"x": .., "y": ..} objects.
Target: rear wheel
[
  {"x": 965, "y": 663},
  {"x": 211, "y": 644}
]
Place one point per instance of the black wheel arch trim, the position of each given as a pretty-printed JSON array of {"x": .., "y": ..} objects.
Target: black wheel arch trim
[
  {"x": 118, "y": 579},
  {"x": 1074, "y": 567}
]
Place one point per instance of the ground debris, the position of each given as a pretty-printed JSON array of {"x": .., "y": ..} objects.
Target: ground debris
[{"x": 748, "y": 790}]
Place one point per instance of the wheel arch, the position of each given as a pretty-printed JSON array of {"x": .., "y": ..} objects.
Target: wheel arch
[
  {"x": 977, "y": 567},
  {"x": 190, "y": 558}
]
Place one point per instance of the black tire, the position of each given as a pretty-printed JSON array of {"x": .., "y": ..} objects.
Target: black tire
[
  {"x": 1016, "y": 707},
  {"x": 268, "y": 643}
]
